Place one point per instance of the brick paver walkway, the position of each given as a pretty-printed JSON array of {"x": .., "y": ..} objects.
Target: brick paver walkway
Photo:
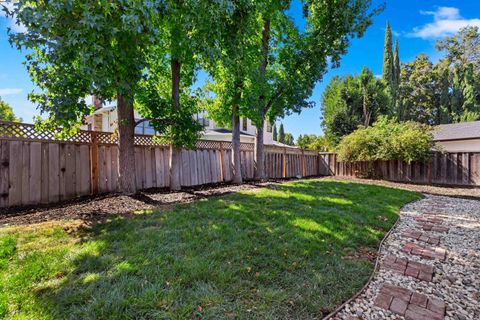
[
  {"x": 429, "y": 267},
  {"x": 409, "y": 268},
  {"x": 412, "y": 305}
]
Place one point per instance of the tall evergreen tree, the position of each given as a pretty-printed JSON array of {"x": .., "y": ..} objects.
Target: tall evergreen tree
[
  {"x": 275, "y": 134},
  {"x": 387, "y": 70},
  {"x": 281, "y": 134},
  {"x": 396, "y": 65},
  {"x": 396, "y": 82}
]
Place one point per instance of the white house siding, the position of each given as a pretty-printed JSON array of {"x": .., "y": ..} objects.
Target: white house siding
[{"x": 471, "y": 145}]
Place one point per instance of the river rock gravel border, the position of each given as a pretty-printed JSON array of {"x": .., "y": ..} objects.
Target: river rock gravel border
[{"x": 456, "y": 280}]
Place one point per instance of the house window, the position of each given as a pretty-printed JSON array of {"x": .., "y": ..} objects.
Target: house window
[
  {"x": 144, "y": 127},
  {"x": 244, "y": 124},
  {"x": 269, "y": 127},
  {"x": 202, "y": 119},
  {"x": 148, "y": 128}
]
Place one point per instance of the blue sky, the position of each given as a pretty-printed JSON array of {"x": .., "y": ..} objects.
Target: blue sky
[{"x": 418, "y": 24}]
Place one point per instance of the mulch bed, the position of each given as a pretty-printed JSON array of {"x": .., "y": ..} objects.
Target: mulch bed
[{"x": 94, "y": 209}]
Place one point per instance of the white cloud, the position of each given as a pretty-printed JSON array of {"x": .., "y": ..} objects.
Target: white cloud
[
  {"x": 9, "y": 91},
  {"x": 446, "y": 21}
]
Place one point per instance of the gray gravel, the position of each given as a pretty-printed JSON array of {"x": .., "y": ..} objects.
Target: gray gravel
[{"x": 456, "y": 280}]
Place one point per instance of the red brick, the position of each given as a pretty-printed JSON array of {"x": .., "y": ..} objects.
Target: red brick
[
  {"x": 402, "y": 262},
  {"x": 408, "y": 247},
  {"x": 439, "y": 229},
  {"x": 436, "y": 305},
  {"x": 427, "y": 227},
  {"x": 383, "y": 301},
  {"x": 390, "y": 259},
  {"x": 419, "y": 299},
  {"x": 421, "y": 266},
  {"x": 423, "y": 238},
  {"x": 412, "y": 234},
  {"x": 412, "y": 272},
  {"x": 395, "y": 267},
  {"x": 396, "y": 292},
  {"x": 418, "y": 251},
  {"x": 425, "y": 276},
  {"x": 398, "y": 306},
  {"x": 415, "y": 312}
]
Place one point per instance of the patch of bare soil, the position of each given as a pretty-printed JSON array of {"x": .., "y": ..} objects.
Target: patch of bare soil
[
  {"x": 451, "y": 191},
  {"x": 93, "y": 209}
]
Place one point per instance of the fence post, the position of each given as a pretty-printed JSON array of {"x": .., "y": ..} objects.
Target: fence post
[
  {"x": 222, "y": 162},
  {"x": 303, "y": 164},
  {"x": 94, "y": 161},
  {"x": 284, "y": 162}
]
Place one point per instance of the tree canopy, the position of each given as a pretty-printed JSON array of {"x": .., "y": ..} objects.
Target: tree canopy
[
  {"x": 6, "y": 112},
  {"x": 350, "y": 101}
]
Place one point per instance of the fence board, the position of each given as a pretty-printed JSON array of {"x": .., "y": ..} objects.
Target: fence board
[
  {"x": 25, "y": 183},
  {"x": 4, "y": 172},
  {"x": 15, "y": 174}
]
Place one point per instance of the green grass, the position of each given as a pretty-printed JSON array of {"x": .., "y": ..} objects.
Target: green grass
[{"x": 277, "y": 253}]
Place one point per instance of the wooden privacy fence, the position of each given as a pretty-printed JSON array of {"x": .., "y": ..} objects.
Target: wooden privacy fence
[
  {"x": 457, "y": 168},
  {"x": 42, "y": 167}
]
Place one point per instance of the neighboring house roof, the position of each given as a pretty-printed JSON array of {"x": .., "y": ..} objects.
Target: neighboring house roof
[
  {"x": 225, "y": 131},
  {"x": 279, "y": 144},
  {"x": 457, "y": 131}
]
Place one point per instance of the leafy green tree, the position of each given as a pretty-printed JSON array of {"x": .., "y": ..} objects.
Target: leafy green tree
[
  {"x": 448, "y": 91},
  {"x": 350, "y": 101},
  {"x": 281, "y": 134},
  {"x": 314, "y": 142},
  {"x": 76, "y": 48},
  {"x": 289, "y": 140},
  {"x": 6, "y": 112},
  {"x": 275, "y": 134},
  {"x": 321, "y": 144},
  {"x": 293, "y": 60},
  {"x": 418, "y": 90},
  {"x": 387, "y": 139},
  {"x": 463, "y": 47},
  {"x": 233, "y": 71},
  {"x": 189, "y": 32}
]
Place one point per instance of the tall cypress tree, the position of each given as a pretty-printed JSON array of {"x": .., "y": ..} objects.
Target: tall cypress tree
[
  {"x": 281, "y": 134},
  {"x": 396, "y": 66},
  {"x": 387, "y": 70},
  {"x": 396, "y": 103},
  {"x": 275, "y": 132}
]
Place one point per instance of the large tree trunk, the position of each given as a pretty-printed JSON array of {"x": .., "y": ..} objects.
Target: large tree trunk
[
  {"x": 126, "y": 152},
  {"x": 175, "y": 153},
  {"x": 259, "y": 154},
  {"x": 236, "y": 156}
]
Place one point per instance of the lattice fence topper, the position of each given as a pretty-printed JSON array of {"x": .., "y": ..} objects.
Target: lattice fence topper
[
  {"x": 24, "y": 131},
  {"x": 27, "y": 132}
]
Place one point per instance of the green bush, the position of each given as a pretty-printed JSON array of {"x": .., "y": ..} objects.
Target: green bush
[{"x": 387, "y": 139}]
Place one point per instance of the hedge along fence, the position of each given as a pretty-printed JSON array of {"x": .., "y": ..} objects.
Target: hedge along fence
[
  {"x": 457, "y": 168},
  {"x": 39, "y": 167}
]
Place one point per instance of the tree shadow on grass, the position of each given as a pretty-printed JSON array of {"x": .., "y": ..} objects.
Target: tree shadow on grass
[{"x": 274, "y": 254}]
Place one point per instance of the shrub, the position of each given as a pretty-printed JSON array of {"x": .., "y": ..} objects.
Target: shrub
[{"x": 387, "y": 139}]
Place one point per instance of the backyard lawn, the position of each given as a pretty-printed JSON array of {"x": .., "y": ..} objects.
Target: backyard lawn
[{"x": 292, "y": 251}]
